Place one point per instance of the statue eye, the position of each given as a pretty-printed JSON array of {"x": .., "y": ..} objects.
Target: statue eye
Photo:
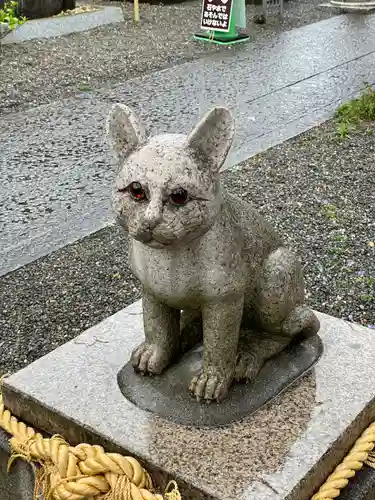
[
  {"x": 179, "y": 196},
  {"x": 137, "y": 192}
]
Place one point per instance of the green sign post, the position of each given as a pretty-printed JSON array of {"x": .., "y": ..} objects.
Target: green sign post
[{"x": 221, "y": 20}]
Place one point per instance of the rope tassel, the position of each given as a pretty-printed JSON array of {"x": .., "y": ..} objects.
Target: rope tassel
[{"x": 83, "y": 472}]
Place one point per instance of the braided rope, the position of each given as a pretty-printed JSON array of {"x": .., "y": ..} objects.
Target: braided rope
[
  {"x": 83, "y": 472},
  {"x": 371, "y": 460},
  {"x": 87, "y": 472},
  {"x": 360, "y": 454}
]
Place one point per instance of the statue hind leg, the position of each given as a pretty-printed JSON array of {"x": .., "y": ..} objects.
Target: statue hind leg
[
  {"x": 280, "y": 314},
  {"x": 280, "y": 307}
]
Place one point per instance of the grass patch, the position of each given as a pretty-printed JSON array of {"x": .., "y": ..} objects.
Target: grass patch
[
  {"x": 330, "y": 211},
  {"x": 9, "y": 16},
  {"x": 356, "y": 111},
  {"x": 84, "y": 87}
]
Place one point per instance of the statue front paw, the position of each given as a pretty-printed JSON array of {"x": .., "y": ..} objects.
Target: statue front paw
[
  {"x": 213, "y": 386},
  {"x": 151, "y": 358},
  {"x": 248, "y": 366}
]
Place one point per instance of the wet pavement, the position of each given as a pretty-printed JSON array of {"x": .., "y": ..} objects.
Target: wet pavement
[{"x": 54, "y": 169}]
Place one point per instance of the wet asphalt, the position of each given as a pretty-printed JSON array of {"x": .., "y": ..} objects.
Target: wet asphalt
[{"x": 55, "y": 170}]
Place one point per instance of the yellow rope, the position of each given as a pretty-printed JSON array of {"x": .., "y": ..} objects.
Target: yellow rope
[
  {"x": 83, "y": 472},
  {"x": 361, "y": 453},
  {"x": 172, "y": 492},
  {"x": 371, "y": 460}
]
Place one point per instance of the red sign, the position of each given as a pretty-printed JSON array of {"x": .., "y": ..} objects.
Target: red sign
[{"x": 216, "y": 15}]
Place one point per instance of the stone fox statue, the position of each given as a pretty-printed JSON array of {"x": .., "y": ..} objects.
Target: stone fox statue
[{"x": 202, "y": 255}]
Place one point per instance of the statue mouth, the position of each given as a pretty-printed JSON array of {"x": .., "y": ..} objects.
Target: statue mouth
[
  {"x": 150, "y": 240},
  {"x": 156, "y": 244}
]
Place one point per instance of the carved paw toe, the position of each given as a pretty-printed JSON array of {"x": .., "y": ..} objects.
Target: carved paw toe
[
  {"x": 248, "y": 366},
  {"x": 210, "y": 387},
  {"x": 150, "y": 359}
]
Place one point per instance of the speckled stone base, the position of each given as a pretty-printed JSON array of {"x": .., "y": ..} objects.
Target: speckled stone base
[
  {"x": 168, "y": 395},
  {"x": 284, "y": 451}
]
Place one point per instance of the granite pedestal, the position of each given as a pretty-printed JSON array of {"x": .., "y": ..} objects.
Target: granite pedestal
[{"x": 284, "y": 451}]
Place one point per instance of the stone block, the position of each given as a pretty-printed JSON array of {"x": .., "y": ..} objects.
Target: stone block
[
  {"x": 284, "y": 451},
  {"x": 18, "y": 484},
  {"x": 64, "y": 25},
  {"x": 4, "y": 29}
]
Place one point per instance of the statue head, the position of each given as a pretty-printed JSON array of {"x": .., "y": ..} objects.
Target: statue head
[{"x": 167, "y": 191}]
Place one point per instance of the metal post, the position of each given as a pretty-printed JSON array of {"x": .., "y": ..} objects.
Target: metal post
[
  {"x": 136, "y": 11},
  {"x": 272, "y": 7}
]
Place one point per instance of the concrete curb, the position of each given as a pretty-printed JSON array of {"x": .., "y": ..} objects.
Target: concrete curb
[
  {"x": 64, "y": 25},
  {"x": 4, "y": 30}
]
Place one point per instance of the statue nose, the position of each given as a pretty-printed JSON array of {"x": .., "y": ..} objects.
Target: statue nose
[
  {"x": 151, "y": 224},
  {"x": 153, "y": 217}
]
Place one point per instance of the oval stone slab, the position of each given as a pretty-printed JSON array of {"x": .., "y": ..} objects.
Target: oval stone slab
[{"x": 167, "y": 395}]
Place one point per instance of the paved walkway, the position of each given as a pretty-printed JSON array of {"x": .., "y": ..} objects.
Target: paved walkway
[{"x": 54, "y": 173}]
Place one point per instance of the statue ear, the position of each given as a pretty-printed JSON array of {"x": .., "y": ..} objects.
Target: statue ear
[
  {"x": 213, "y": 136},
  {"x": 124, "y": 130}
]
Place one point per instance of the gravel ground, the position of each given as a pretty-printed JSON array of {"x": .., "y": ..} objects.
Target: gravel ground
[
  {"x": 318, "y": 192},
  {"x": 37, "y": 72}
]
